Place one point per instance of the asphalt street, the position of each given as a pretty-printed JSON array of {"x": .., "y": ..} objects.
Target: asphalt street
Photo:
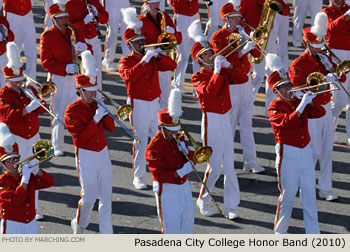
[{"x": 134, "y": 211}]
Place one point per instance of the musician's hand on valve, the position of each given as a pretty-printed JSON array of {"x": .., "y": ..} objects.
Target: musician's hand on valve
[
  {"x": 298, "y": 94},
  {"x": 307, "y": 99},
  {"x": 186, "y": 169},
  {"x": 218, "y": 63},
  {"x": 26, "y": 171},
  {"x": 99, "y": 114},
  {"x": 71, "y": 68},
  {"x": 88, "y": 18},
  {"x": 170, "y": 29},
  {"x": 148, "y": 56},
  {"x": 182, "y": 147},
  {"x": 248, "y": 47},
  {"x": 80, "y": 46}
]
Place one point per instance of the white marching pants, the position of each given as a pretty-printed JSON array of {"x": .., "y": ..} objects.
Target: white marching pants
[
  {"x": 24, "y": 30},
  {"x": 15, "y": 227},
  {"x": 217, "y": 133},
  {"x": 144, "y": 122},
  {"x": 96, "y": 179},
  {"x": 3, "y": 62},
  {"x": 214, "y": 17},
  {"x": 340, "y": 99},
  {"x": 301, "y": 8},
  {"x": 65, "y": 95},
  {"x": 165, "y": 87},
  {"x": 25, "y": 148},
  {"x": 114, "y": 25},
  {"x": 295, "y": 170},
  {"x": 321, "y": 133},
  {"x": 96, "y": 47},
  {"x": 241, "y": 112},
  {"x": 174, "y": 207},
  {"x": 182, "y": 23}
]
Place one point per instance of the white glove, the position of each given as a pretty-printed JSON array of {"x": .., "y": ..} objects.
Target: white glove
[
  {"x": 170, "y": 29},
  {"x": 251, "y": 34},
  {"x": 182, "y": 147},
  {"x": 217, "y": 64},
  {"x": 331, "y": 77},
  {"x": 88, "y": 18},
  {"x": 33, "y": 105},
  {"x": 28, "y": 90},
  {"x": 298, "y": 94},
  {"x": 307, "y": 98},
  {"x": 225, "y": 63},
  {"x": 99, "y": 114},
  {"x": 94, "y": 10},
  {"x": 1, "y": 37},
  {"x": 325, "y": 61},
  {"x": 26, "y": 171},
  {"x": 348, "y": 11},
  {"x": 35, "y": 169},
  {"x": 71, "y": 68},
  {"x": 248, "y": 47},
  {"x": 149, "y": 54},
  {"x": 80, "y": 46},
  {"x": 186, "y": 169}
]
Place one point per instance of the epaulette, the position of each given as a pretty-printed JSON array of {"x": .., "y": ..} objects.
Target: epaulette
[
  {"x": 154, "y": 140},
  {"x": 152, "y": 154},
  {"x": 142, "y": 17}
]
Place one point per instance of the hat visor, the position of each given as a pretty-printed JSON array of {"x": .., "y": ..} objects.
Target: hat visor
[
  {"x": 153, "y": 1},
  {"x": 137, "y": 38},
  {"x": 173, "y": 128},
  {"x": 320, "y": 45},
  {"x": 19, "y": 78},
  {"x": 93, "y": 88},
  {"x": 61, "y": 15},
  {"x": 282, "y": 83},
  {"x": 234, "y": 15},
  {"x": 10, "y": 156}
]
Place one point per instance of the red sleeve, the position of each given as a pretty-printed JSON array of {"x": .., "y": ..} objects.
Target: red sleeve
[
  {"x": 166, "y": 64},
  {"x": 8, "y": 114},
  {"x": 130, "y": 71},
  {"x": 102, "y": 13},
  {"x": 336, "y": 25},
  {"x": 211, "y": 88},
  {"x": 160, "y": 172},
  {"x": 13, "y": 196},
  {"x": 108, "y": 123},
  {"x": 44, "y": 181},
  {"x": 279, "y": 118},
  {"x": 315, "y": 111}
]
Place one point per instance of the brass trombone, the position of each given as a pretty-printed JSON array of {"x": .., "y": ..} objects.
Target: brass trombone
[
  {"x": 316, "y": 83},
  {"x": 257, "y": 42},
  {"x": 123, "y": 112},
  {"x": 43, "y": 151},
  {"x": 343, "y": 67}
]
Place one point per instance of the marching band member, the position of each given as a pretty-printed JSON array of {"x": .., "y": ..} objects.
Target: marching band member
[
  {"x": 240, "y": 85},
  {"x": 139, "y": 71},
  {"x": 17, "y": 189},
  {"x": 86, "y": 121},
  {"x": 154, "y": 20},
  {"x": 114, "y": 25},
  {"x": 87, "y": 21},
  {"x": 6, "y": 35},
  {"x": 59, "y": 47},
  {"x": 17, "y": 109},
  {"x": 301, "y": 8},
  {"x": 169, "y": 168},
  {"x": 20, "y": 17},
  {"x": 212, "y": 87},
  {"x": 338, "y": 13},
  {"x": 321, "y": 130},
  {"x": 185, "y": 12},
  {"x": 294, "y": 162}
]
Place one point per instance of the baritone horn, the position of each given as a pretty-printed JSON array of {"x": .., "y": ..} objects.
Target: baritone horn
[
  {"x": 43, "y": 151},
  {"x": 316, "y": 83},
  {"x": 123, "y": 112},
  {"x": 201, "y": 154}
]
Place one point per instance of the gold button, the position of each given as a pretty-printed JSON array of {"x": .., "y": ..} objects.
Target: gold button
[
  {"x": 27, "y": 212},
  {"x": 27, "y": 204},
  {"x": 146, "y": 76},
  {"x": 3, "y": 213},
  {"x": 220, "y": 96},
  {"x": 29, "y": 135},
  {"x": 302, "y": 137},
  {"x": 149, "y": 90},
  {"x": 98, "y": 149},
  {"x": 302, "y": 145},
  {"x": 98, "y": 140},
  {"x": 222, "y": 104},
  {"x": 29, "y": 127}
]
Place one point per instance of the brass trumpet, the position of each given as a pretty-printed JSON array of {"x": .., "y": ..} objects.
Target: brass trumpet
[
  {"x": 316, "y": 83},
  {"x": 43, "y": 151},
  {"x": 123, "y": 112},
  {"x": 343, "y": 67},
  {"x": 201, "y": 154}
]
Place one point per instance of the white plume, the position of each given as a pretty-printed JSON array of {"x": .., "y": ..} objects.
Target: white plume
[
  {"x": 236, "y": 4},
  {"x": 6, "y": 137},
  {"x": 130, "y": 19},
  {"x": 174, "y": 104},
  {"x": 319, "y": 27},
  {"x": 88, "y": 63},
  {"x": 14, "y": 61},
  {"x": 274, "y": 62},
  {"x": 195, "y": 31}
]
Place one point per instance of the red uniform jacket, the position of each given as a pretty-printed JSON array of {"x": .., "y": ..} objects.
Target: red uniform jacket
[
  {"x": 251, "y": 11},
  {"x": 16, "y": 203},
  {"x": 152, "y": 30},
  {"x": 338, "y": 36},
  {"x": 142, "y": 82},
  {"x": 12, "y": 104},
  {"x": 164, "y": 158},
  {"x": 304, "y": 65},
  {"x": 287, "y": 127},
  {"x": 213, "y": 90},
  {"x": 56, "y": 49},
  {"x": 241, "y": 65},
  {"x": 78, "y": 10},
  {"x": 81, "y": 125},
  {"x": 5, "y": 27},
  {"x": 185, "y": 7},
  {"x": 21, "y": 7}
]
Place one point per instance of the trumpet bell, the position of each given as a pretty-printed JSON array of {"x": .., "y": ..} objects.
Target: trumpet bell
[
  {"x": 47, "y": 90},
  {"x": 168, "y": 39},
  {"x": 43, "y": 149},
  {"x": 202, "y": 154},
  {"x": 314, "y": 80},
  {"x": 233, "y": 39},
  {"x": 343, "y": 67},
  {"x": 124, "y": 112}
]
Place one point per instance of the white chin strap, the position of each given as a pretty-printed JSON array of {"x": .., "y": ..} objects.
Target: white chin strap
[
  {"x": 204, "y": 63},
  {"x": 279, "y": 93},
  {"x": 55, "y": 23}
]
